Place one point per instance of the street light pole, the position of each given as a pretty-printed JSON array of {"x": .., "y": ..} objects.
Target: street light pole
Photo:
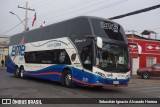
[
  {"x": 26, "y": 19},
  {"x": 17, "y": 17},
  {"x": 26, "y": 9},
  {"x": 132, "y": 45}
]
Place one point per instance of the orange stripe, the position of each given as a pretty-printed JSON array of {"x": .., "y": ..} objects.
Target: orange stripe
[
  {"x": 74, "y": 79},
  {"x": 22, "y": 41}
]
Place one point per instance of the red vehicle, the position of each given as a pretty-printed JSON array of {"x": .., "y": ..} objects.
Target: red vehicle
[{"x": 146, "y": 73}]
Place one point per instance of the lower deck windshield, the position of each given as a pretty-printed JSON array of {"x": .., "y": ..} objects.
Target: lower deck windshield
[{"x": 113, "y": 58}]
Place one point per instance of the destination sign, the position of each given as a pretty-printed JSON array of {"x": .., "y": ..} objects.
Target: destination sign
[{"x": 110, "y": 26}]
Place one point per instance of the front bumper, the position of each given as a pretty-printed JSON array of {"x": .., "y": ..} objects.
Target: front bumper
[{"x": 109, "y": 82}]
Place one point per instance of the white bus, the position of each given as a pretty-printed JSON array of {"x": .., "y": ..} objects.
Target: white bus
[{"x": 84, "y": 50}]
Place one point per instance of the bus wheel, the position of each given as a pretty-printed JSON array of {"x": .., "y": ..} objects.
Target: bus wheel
[
  {"x": 68, "y": 79},
  {"x": 21, "y": 71},
  {"x": 16, "y": 72}
]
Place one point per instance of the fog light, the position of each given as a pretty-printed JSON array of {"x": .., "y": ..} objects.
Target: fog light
[{"x": 97, "y": 81}]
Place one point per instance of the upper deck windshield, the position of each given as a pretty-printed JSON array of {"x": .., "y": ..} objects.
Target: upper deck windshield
[
  {"x": 108, "y": 29},
  {"x": 113, "y": 58}
]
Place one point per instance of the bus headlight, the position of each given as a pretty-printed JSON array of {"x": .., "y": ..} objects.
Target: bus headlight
[
  {"x": 101, "y": 74},
  {"x": 128, "y": 76}
]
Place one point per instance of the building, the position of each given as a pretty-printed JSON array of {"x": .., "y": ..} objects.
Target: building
[
  {"x": 150, "y": 52},
  {"x": 4, "y": 42}
]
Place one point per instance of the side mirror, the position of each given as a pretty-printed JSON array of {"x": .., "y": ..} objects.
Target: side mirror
[
  {"x": 99, "y": 42},
  {"x": 138, "y": 46},
  {"x": 139, "y": 49}
]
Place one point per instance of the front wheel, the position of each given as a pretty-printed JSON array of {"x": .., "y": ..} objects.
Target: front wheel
[
  {"x": 68, "y": 79},
  {"x": 145, "y": 75}
]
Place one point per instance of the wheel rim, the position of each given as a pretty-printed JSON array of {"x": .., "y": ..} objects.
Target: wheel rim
[
  {"x": 22, "y": 73},
  {"x": 68, "y": 79},
  {"x": 17, "y": 72},
  {"x": 146, "y": 75}
]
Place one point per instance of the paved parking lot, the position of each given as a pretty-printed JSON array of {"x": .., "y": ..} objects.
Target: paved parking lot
[
  {"x": 12, "y": 87},
  {"x": 149, "y": 87}
]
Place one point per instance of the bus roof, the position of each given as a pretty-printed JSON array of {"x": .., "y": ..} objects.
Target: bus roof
[{"x": 80, "y": 26}]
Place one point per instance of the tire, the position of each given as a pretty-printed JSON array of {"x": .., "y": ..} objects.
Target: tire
[
  {"x": 145, "y": 75},
  {"x": 16, "y": 72},
  {"x": 21, "y": 71},
  {"x": 67, "y": 79}
]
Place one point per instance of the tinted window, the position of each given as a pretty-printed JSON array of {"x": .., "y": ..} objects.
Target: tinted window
[
  {"x": 113, "y": 58},
  {"x": 58, "y": 56},
  {"x": 157, "y": 66},
  {"x": 107, "y": 29},
  {"x": 86, "y": 57}
]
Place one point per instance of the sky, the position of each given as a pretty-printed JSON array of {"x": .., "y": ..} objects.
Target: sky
[{"x": 52, "y": 11}]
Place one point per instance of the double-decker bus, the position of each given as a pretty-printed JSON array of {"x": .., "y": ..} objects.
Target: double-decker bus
[{"x": 84, "y": 50}]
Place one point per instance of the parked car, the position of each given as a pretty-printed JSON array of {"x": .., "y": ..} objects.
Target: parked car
[{"x": 146, "y": 73}]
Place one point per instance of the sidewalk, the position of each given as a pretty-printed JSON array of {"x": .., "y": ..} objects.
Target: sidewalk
[{"x": 2, "y": 68}]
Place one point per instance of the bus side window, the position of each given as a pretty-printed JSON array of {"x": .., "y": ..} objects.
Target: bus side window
[
  {"x": 29, "y": 57},
  {"x": 57, "y": 56},
  {"x": 33, "y": 57},
  {"x": 60, "y": 56},
  {"x": 86, "y": 57}
]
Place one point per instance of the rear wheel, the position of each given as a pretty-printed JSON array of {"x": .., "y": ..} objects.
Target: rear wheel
[
  {"x": 16, "y": 72},
  {"x": 67, "y": 79},
  {"x": 145, "y": 75},
  {"x": 21, "y": 71}
]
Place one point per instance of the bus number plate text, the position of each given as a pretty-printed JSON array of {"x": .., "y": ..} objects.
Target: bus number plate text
[{"x": 115, "y": 82}]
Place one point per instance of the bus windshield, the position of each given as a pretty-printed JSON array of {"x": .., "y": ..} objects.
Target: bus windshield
[{"x": 113, "y": 58}]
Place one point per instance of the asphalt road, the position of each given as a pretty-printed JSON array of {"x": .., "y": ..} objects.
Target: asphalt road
[{"x": 12, "y": 87}]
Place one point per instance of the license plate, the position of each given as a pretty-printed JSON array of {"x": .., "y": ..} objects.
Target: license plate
[{"x": 115, "y": 82}]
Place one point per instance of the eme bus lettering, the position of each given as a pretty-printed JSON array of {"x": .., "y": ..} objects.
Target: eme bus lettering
[
  {"x": 110, "y": 26},
  {"x": 18, "y": 50}
]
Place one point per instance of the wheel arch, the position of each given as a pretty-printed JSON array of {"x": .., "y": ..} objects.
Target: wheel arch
[
  {"x": 145, "y": 72},
  {"x": 65, "y": 74},
  {"x": 21, "y": 66},
  {"x": 16, "y": 66},
  {"x": 66, "y": 69}
]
